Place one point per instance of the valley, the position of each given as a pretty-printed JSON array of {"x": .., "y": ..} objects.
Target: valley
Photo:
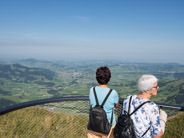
[{"x": 27, "y": 80}]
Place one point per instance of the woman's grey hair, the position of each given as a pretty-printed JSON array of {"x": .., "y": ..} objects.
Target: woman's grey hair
[{"x": 146, "y": 82}]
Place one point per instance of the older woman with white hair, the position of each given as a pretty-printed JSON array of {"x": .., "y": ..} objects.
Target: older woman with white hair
[{"x": 148, "y": 121}]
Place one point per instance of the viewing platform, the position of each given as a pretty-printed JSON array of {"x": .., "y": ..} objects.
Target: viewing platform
[{"x": 65, "y": 117}]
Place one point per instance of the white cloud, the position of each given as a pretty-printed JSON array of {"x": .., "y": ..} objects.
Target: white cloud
[{"x": 81, "y": 18}]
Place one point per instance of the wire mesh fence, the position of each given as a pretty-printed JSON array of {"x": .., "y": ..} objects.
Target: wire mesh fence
[
  {"x": 64, "y": 117},
  {"x": 67, "y": 119}
]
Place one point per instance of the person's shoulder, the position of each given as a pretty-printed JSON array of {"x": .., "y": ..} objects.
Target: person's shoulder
[
  {"x": 114, "y": 92},
  {"x": 152, "y": 106},
  {"x": 127, "y": 98},
  {"x": 91, "y": 89},
  {"x": 114, "y": 96},
  {"x": 151, "y": 103}
]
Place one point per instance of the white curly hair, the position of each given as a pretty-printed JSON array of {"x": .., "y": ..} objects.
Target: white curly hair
[{"x": 146, "y": 82}]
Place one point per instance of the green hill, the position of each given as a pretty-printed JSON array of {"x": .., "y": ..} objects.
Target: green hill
[
  {"x": 19, "y": 73},
  {"x": 175, "y": 126},
  {"x": 171, "y": 93},
  {"x": 38, "y": 122},
  {"x": 33, "y": 79},
  {"x": 19, "y": 83},
  {"x": 176, "y": 89}
]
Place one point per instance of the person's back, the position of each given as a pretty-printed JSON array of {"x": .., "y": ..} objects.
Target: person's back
[
  {"x": 147, "y": 120},
  {"x": 109, "y": 104},
  {"x": 143, "y": 116},
  {"x": 103, "y": 76}
]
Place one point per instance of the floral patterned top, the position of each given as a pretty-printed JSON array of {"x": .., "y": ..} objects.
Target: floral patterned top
[{"x": 144, "y": 117}]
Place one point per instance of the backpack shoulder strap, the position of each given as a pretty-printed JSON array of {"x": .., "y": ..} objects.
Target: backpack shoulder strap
[
  {"x": 129, "y": 104},
  {"x": 104, "y": 103},
  {"x": 146, "y": 131},
  {"x": 139, "y": 107},
  {"x": 136, "y": 110},
  {"x": 106, "y": 97},
  {"x": 94, "y": 91},
  {"x": 111, "y": 117}
]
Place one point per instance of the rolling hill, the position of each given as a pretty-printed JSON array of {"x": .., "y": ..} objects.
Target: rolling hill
[
  {"x": 171, "y": 93},
  {"x": 19, "y": 73},
  {"x": 35, "y": 79},
  {"x": 20, "y": 83}
]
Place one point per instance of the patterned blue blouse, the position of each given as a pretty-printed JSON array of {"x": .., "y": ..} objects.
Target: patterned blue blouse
[{"x": 143, "y": 118}]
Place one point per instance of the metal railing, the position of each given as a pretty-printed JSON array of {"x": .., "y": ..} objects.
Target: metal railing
[
  {"x": 42, "y": 101},
  {"x": 53, "y": 117},
  {"x": 76, "y": 98}
]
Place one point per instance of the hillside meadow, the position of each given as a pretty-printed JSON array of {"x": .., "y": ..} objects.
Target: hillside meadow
[
  {"x": 175, "y": 126},
  {"x": 40, "y": 123}
]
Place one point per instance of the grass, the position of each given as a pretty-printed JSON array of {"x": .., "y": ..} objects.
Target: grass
[
  {"x": 38, "y": 122},
  {"x": 175, "y": 126}
]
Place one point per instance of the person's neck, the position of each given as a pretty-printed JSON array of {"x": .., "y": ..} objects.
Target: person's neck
[
  {"x": 144, "y": 96},
  {"x": 103, "y": 85}
]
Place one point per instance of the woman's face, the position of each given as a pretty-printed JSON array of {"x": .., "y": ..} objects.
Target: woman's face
[{"x": 153, "y": 91}]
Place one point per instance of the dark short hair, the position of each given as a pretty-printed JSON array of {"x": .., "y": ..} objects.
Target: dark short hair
[{"x": 103, "y": 75}]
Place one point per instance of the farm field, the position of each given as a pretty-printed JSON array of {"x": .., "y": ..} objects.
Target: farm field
[{"x": 31, "y": 79}]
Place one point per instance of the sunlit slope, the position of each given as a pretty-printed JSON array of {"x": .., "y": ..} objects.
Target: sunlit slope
[
  {"x": 19, "y": 73},
  {"x": 176, "y": 90},
  {"x": 175, "y": 126},
  {"x": 19, "y": 83},
  {"x": 171, "y": 92},
  {"x": 39, "y": 122}
]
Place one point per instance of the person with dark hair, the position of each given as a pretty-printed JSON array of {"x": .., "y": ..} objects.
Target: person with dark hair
[{"x": 103, "y": 76}]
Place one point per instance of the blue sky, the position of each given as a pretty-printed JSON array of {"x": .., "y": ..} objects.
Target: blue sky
[{"x": 126, "y": 30}]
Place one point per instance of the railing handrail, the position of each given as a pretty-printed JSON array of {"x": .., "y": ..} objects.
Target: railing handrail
[
  {"x": 166, "y": 106},
  {"x": 72, "y": 98}
]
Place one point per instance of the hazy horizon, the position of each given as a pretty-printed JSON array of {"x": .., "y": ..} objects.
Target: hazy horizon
[
  {"x": 130, "y": 31},
  {"x": 103, "y": 62}
]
